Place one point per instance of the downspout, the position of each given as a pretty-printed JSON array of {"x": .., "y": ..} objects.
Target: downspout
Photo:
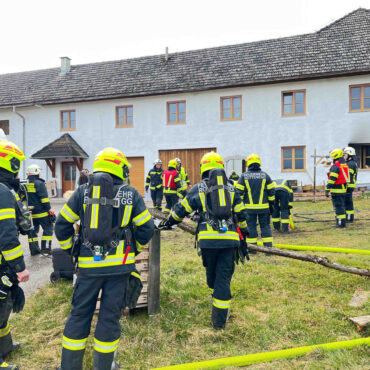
[{"x": 23, "y": 137}]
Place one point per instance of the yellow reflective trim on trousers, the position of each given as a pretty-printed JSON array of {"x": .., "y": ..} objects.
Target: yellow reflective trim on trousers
[
  {"x": 275, "y": 219},
  {"x": 6, "y": 213},
  {"x": 350, "y": 212},
  {"x": 186, "y": 205},
  {"x": 340, "y": 217},
  {"x": 211, "y": 290},
  {"x": 12, "y": 254},
  {"x": 68, "y": 214},
  {"x": 262, "y": 191},
  {"x": 95, "y": 208},
  {"x": 203, "y": 201},
  {"x": 126, "y": 216},
  {"x": 113, "y": 260},
  {"x": 105, "y": 347},
  {"x": 252, "y": 240},
  {"x": 30, "y": 240},
  {"x": 268, "y": 240},
  {"x": 41, "y": 215},
  {"x": 142, "y": 218},
  {"x": 46, "y": 238},
  {"x": 229, "y": 235},
  {"x": 221, "y": 192},
  {"x": 221, "y": 304},
  {"x": 285, "y": 221},
  {"x": 249, "y": 192},
  {"x": 5, "y": 331},
  {"x": 74, "y": 344},
  {"x": 44, "y": 200},
  {"x": 66, "y": 244}
]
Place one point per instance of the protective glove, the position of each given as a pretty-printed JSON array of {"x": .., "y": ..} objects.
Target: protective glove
[
  {"x": 18, "y": 298},
  {"x": 244, "y": 250},
  {"x": 164, "y": 225},
  {"x": 327, "y": 193},
  {"x": 52, "y": 216},
  {"x": 244, "y": 232},
  {"x": 146, "y": 188}
]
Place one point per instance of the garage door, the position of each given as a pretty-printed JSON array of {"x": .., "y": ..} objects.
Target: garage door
[
  {"x": 137, "y": 178},
  {"x": 190, "y": 159}
]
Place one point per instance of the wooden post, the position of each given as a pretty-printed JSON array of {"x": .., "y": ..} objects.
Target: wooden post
[
  {"x": 154, "y": 274},
  {"x": 314, "y": 177}
]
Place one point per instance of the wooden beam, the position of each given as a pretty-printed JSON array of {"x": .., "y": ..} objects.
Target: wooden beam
[
  {"x": 78, "y": 162},
  {"x": 154, "y": 274},
  {"x": 51, "y": 164}
]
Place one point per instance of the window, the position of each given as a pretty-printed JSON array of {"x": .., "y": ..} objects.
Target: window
[
  {"x": 68, "y": 120},
  {"x": 359, "y": 98},
  {"x": 176, "y": 112},
  {"x": 293, "y": 158},
  {"x": 125, "y": 116},
  {"x": 362, "y": 155},
  {"x": 293, "y": 103},
  {"x": 4, "y": 125},
  {"x": 231, "y": 108}
]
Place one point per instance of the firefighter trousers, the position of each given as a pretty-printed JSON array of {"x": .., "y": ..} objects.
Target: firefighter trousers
[
  {"x": 264, "y": 221},
  {"x": 47, "y": 235},
  {"x": 157, "y": 196},
  {"x": 350, "y": 213},
  {"x": 171, "y": 200},
  {"x": 280, "y": 216},
  {"x": 339, "y": 207},
  {"x": 220, "y": 266},
  {"x": 108, "y": 329},
  {"x": 6, "y": 342}
]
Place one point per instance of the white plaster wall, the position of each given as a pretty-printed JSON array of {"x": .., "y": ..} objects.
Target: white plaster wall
[{"x": 262, "y": 130}]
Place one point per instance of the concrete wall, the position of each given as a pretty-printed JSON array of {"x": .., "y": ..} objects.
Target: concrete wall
[{"x": 262, "y": 130}]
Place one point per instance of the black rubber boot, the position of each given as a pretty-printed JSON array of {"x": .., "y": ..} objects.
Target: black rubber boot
[
  {"x": 72, "y": 360},
  {"x": 34, "y": 248},
  {"x": 45, "y": 247},
  {"x": 105, "y": 361},
  {"x": 350, "y": 218},
  {"x": 219, "y": 317},
  {"x": 15, "y": 347}
]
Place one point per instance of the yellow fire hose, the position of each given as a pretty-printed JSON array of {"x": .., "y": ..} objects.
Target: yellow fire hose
[
  {"x": 319, "y": 249},
  {"x": 268, "y": 356}
]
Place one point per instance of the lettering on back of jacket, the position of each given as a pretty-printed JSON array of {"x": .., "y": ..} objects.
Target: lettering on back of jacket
[{"x": 255, "y": 175}]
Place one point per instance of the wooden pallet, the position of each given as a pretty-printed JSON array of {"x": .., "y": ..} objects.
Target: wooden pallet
[{"x": 142, "y": 266}]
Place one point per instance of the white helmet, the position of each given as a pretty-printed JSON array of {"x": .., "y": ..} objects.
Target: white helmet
[
  {"x": 158, "y": 161},
  {"x": 350, "y": 151},
  {"x": 33, "y": 169},
  {"x": 178, "y": 160}
]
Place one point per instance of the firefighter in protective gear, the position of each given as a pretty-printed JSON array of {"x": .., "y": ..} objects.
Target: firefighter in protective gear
[
  {"x": 350, "y": 157},
  {"x": 38, "y": 199},
  {"x": 234, "y": 176},
  {"x": 283, "y": 205},
  {"x": 338, "y": 177},
  {"x": 217, "y": 248},
  {"x": 154, "y": 180},
  {"x": 11, "y": 254},
  {"x": 257, "y": 191},
  {"x": 111, "y": 275},
  {"x": 171, "y": 185},
  {"x": 185, "y": 182}
]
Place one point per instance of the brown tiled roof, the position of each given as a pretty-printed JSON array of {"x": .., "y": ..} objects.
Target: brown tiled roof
[{"x": 341, "y": 48}]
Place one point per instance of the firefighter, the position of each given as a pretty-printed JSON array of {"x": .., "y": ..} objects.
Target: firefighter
[
  {"x": 350, "y": 157},
  {"x": 42, "y": 213},
  {"x": 109, "y": 274},
  {"x": 338, "y": 177},
  {"x": 185, "y": 182},
  {"x": 155, "y": 181},
  {"x": 257, "y": 190},
  {"x": 172, "y": 185},
  {"x": 217, "y": 248},
  {"x": 234, "y": 176},
  {"x": 12, "y": 266},
  {"x": 283, "y": 205}
]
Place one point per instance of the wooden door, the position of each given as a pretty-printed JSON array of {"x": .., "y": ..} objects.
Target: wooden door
[
  {"x": 137, "y": 173},
  {"x": 68, "y": 176},
  {"x": 190, "y": 160}
]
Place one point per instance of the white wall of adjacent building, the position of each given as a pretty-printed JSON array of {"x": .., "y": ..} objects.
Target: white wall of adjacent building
[{"x": 327, "y": 124}]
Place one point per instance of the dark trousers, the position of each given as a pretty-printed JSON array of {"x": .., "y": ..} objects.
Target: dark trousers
[
  {"x": 108, "y": 329},
  {"x": 157, "y": 196},
  {"x": 264, "y": 221},
  {"x": 171, "y": 200},
  {"x": 339, "y": 207},
  {"x": 220, "y": 266},
  {"x": 281, "y": 213},
  {"x": 350, "y": 213},
  {"x": 47, "y": 235},
  {"x": 6, "y": 342}
]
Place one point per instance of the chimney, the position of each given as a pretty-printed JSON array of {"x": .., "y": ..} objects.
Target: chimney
[
  {"x": 65, "y": 65},
  {"x": 166, "y": 55}
]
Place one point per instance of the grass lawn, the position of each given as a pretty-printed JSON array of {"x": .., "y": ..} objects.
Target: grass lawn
[{"x": 278, "y": 303}]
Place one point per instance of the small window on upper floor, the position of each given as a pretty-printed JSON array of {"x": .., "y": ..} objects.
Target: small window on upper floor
[
  {"x": 68, "y": 120},
  {"x": 293, "y": 158},
  {"x": 4, "y": 125},
  {"x": 231, "y": 108},
  {"x": 359, "y": 98},
  {"x": 176, "y": 112},
  {"x": 125, "y": 116},
  {"x": 293, "y": 103}
]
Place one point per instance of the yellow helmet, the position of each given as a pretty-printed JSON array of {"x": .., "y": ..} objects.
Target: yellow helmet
[
  {"x": 209, "y": 161},
  {"x": 172, "y": 163},
  {"x": 253, "y": 158},
  {"x": 336, "y": 153},
  {"x": 113, "y": 161},
  {"x": 11, "y": 156}
]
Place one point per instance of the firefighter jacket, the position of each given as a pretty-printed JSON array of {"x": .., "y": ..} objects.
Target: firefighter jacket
[
  {"x": 207, "y": 237},
  {"x": 257, "y": 190},
  {"x": 185, "y": 182},
  {"x": 283, "y": 185},
  {"x": 132, "y": 214},
  {"x": 171, "y": 181},
  {"x": 11, "y": 253},
  {"x": 154, "y": 178},
  {"x": 338, "y": 177},
  {"x": 353, "y": 170},
  {"x": 38, "y": 197}
]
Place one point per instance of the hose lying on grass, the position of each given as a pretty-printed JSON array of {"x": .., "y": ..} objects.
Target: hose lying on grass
[
  {"x": 323, "y": 261},
  {"x": 256, "y": 358}
]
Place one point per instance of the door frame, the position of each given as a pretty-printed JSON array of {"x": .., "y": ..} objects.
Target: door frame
[{"x": 62, "y": 169}]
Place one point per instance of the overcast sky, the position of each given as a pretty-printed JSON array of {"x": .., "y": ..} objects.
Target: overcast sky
[{"x": 35, "y": 33}]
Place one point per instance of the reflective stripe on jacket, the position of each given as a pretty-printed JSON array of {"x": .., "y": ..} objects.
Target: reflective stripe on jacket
[
  {"x": 338, "y": 177},
  {"x": 353, "y": 171},
  {"x": 171, "y": 182},
  {"x": 154, "y": 178},
  {"x": 38, "y": 196}
]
